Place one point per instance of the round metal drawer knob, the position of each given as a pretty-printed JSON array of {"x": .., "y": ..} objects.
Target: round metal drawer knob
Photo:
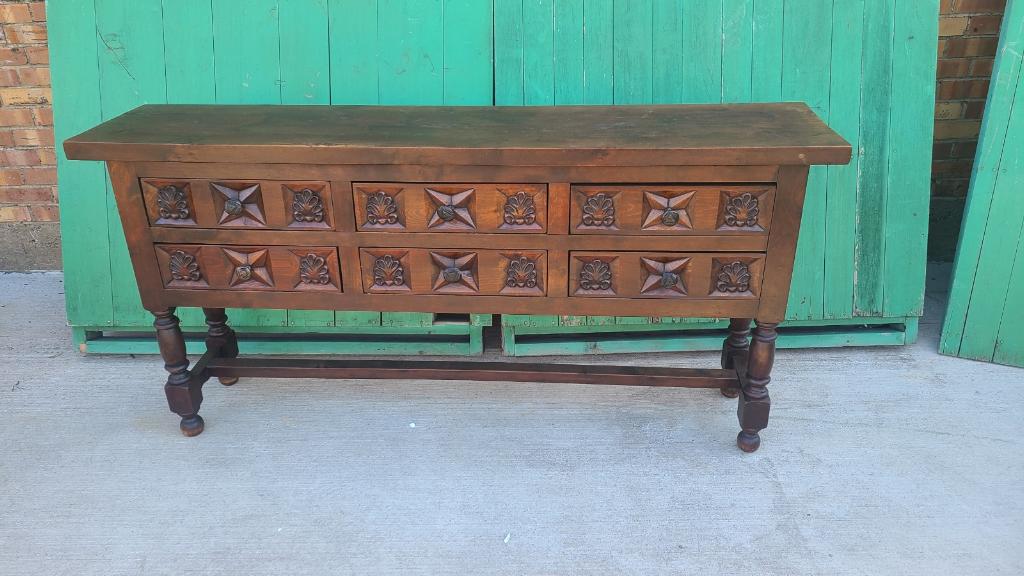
[
  {"x": 451, "y": 275},
  {"x": 446, "y": 212},
  {"x": 670, "y": 217},
  {"x": 233, "y": 207},
  {"x": 244, "y": 272},
  {"x": 669, "y": 279}
]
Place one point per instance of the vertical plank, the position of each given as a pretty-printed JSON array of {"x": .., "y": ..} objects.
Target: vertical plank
[
  {"x": 841, "y": 194},
  {"x": 876, "y": 100},
  {"x": 598, "y": 52},
  {"x": 508, "y": 53},
  {"x": 468, "y": 53},
  {"x": 353, "y": 45},
  {"x": 916, "y": 32},
  {"x": 737, "y": 50},
  {"x": 74, "y": 64},
  {"x": 189, "y": 73},
  {"x": 668, "y": 60},
  {"x": 766, "y": 70},
  {"x": 1009, "y": 345},
  {"x": 538, "y": 53},
  {"x": 248, "y": 71},
  {"x": 805, "y": 77},
  {"x": 129, "y": 39},
  {"x": 410, "y": 44},
  {"x": 702, "y": 50},
  {"x": 633, "y": 53},
  {"x": 305, "y": 79},
  {"x": 568, "y": 50}
]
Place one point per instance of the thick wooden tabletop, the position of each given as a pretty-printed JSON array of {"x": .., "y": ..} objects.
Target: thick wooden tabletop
[{"x": 739, "y": 134}]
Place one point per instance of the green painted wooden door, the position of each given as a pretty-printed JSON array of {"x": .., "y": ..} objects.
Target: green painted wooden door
[
  {"x": 866, "y": 66},
  {"x": 986, "y": 305}
]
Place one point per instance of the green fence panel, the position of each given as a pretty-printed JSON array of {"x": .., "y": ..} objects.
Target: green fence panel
[{"x": 986, "y": 303}]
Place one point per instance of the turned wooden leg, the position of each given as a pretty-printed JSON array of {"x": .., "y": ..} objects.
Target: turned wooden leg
[
  {"x": 754, "y": 403},
  {"x": 184, "y": 393},
  {"x": 221, "y": 337},
  {"x": 738, "y": 341}
]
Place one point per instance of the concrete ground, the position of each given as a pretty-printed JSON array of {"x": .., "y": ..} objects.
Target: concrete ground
[{"x": 877, "y": 461}]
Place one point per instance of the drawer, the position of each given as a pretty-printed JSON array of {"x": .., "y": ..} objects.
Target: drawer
[
  {"x": 243, "y": 268},
  {"x": 406, "y": 207},
  {"x": 270, "y": 204},
  {"x": 665, "y": 274},
  {"x": 676, "y": 209},
  {"x": 453, "y": 272}
]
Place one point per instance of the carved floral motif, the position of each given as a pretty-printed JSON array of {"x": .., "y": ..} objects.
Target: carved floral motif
[
  {"x": 307, "y": 206},
  {"x": 313, "y": 270},
  {"x": 381, "y": 209},
  {"x": 599, "y": 210},
  {"x": 521, "y": 273},
  {"x": 172, "y": 202},
  {"x": 733, "y": 277},
  {"x": 741, "y": 211},
  {"x": 388, "y": 271},
  {"x": 520, "y": 209},
  {"x": 184, "y": 267},
  {"x": 596, "y": 275}
]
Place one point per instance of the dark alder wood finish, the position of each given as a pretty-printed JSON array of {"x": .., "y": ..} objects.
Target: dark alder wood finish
[{"x": 647, "y": 211}]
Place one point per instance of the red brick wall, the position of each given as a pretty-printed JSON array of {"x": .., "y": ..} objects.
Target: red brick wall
[
  {"x": 28, "y": 176},
  {"x": 968, "y": 38}
]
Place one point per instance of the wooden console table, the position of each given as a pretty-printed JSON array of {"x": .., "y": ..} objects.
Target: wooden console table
[{"x": 626, "y": 211}]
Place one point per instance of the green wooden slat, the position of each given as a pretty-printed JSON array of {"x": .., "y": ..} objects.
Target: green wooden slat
[
  {"x": 468, "y": 53},
  {"x": 353, "y": 47},
  {"x": 916, "y": 32},
  {"x": 538, "y": 53},
  {"x": 841, "y": 194},
  {"x": 508, "y": 53},
  {"x": 766, "y": 71},
  {"x": 568, "y": 52},
  {"x": 633, "y": 52},
  {"x": 702, "y": 51},
  {"x": 876, "y": 100},
  {"x": 598, "y": 52},
  {"x": 805, "y": 74},
  {"x": 410, "y": 47},
  {"x": 668, "y": 60},
  {"x": 1009, "y": 344},
  {"x": 737, "y": 50},
  {"x": 74, "y": 63},
  {"x": 129, "y": 37}
]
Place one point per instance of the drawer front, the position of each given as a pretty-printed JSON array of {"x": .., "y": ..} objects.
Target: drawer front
[
  {"x": 245, "y": 268},
  {"x": 405, "y": 207},
  {"x": 665, "y": 275},
  {"x": 453, "y": 272},
  {"x": 255, "y": 204},
  {"x": 655, "y": 209}
]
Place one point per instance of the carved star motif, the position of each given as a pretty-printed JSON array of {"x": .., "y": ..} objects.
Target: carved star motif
[
  {"x": 455, "y": 273},
  {"x": 669, "y": 212},
  {"x": 249, "y": 267},
  {"x": 451, "y": 209},
  {"x": 240, "y": 205},
  {"x": 662, "y": 276}
]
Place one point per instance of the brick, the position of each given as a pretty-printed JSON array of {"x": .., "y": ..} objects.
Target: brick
[
  {"x": 946, "y": 7},
  {"x": 38, "y": 54},
  {"x": 38, "y": 11},
  {"x": 6, "y": 139},
  {"x": 987, "y": 24},
  {"x": 40, "y": 176},
  {"x": 26, "y": 195},
  {"x": 953, "y": 25},
  {"x": 962, "y": 89},
  {"x": 15, "y": 13},
  {"x": 965, "y": 149},
  {"x": 43, "y": 116},
  {"x": 30, "y": 138},
  {"x": 9, "y": 77},
  {"x": 48, "y": 213},
  {"x": 34, "y": 76},
  {"x": 943, "y": 150},
  {"x": 14, "y": 214},
  {"x": 957, "y": 129},
  {"x": 942, "y": 47},
  {"x": 982, "y": 6},
  {"x": 950, "y": 187},
  {"x": 21, "y": 96},
  {"x": 47, "y": 156},
  {"x": 948, "y": 110},
  {"x": 13, "y": 157},
  {"x": 11, "y": 177},
  {"x": 960, "y": 168},
  {"x": 973, "y": 46},
  {"x": 982, "y": 67},
  {"x": 34, "y": 33},
  {"x": 13, "y": 56},
  {"x": 954, "y": 68},
  {"x": 16, "y": 117},
  {"x": 974, "y": 110}
]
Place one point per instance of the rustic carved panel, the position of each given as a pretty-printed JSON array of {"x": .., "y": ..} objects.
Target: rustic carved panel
[
  {"x": 594, "y": 275},
  {"x": 666, "y": 211},
  {"x": 664, "y": 276},
  {"x": 184, "y": 267},
  {"x": 741, "y": 211},
  {"x": 520, "y": 210},
  {"x": 599, "y": 210},
  {"x": 732, "y": 277},
  {"x": 172, "y": 201},
  {"x": 455, "y": 272},
  {"x": 250, "y": 268},
  {"x": 313, "y": 270},
  {"x": 169, "y": 202},
  {"x": 452, "y": 210},
  {"x": 240, "y": 204},
  {"x": 523, "y": 274},
  {"x": 381, "y": 209}
]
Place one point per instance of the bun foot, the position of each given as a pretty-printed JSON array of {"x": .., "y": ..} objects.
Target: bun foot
[
  {"x": 228, "y": 380},
  {"x": 748, "y": 441},
  {"x": 729, "y": 392},
  {"x": 192, "y": 425}
]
